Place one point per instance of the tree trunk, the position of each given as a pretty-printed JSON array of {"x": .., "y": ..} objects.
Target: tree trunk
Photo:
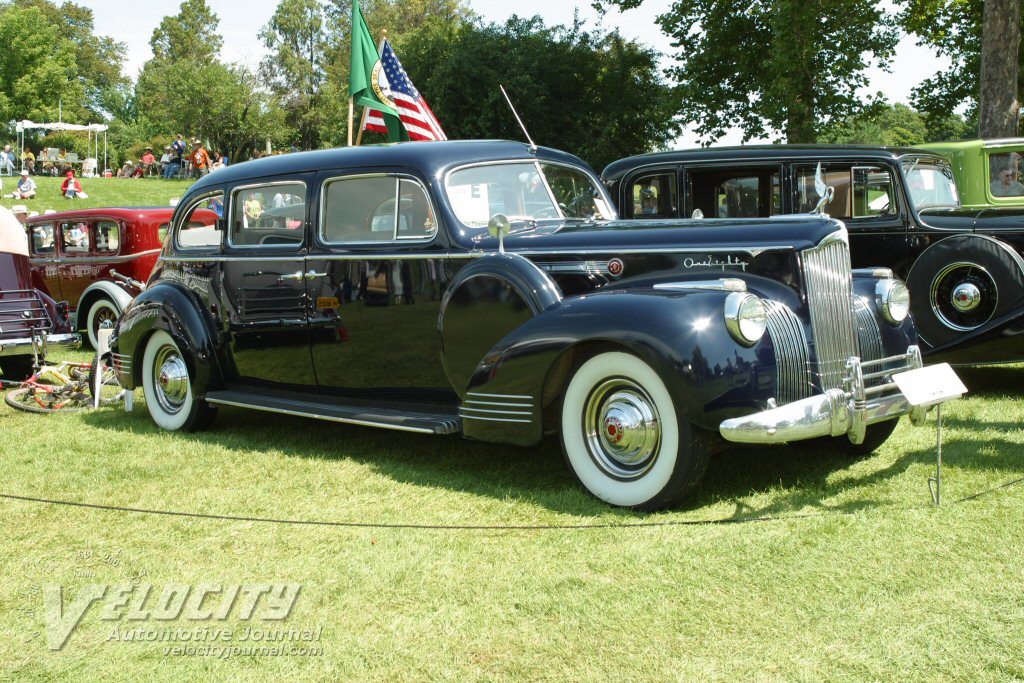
[{"x": 999, "y": 101}]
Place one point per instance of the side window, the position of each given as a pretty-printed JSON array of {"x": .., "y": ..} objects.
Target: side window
[
  {"x": 860, "y": 191},
  {"x": 655, "y": 196},
  {"x": 42, "y": 239},
  {"x": 1005, "y": 175},
  {"x": 75, "y": 238},
  {"x": 747, "y": 193},
  {"x": 108, "y": 237},
  {"x": 161, "y": 231},
  {"x": 201, "y": 226},
  {"x": 271, "y": 215},
  {"x": 376, "y": 209}
]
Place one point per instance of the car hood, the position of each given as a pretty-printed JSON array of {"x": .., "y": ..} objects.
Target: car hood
[{"x": 739, "y": 235}]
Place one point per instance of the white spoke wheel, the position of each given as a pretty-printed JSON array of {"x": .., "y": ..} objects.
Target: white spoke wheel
[
  {"x": 100, "y": 311},
  {"x": 623, "y": 438},
  {"x": 168, "y": 386}
]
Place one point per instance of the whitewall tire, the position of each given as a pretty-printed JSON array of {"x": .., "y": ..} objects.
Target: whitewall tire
[
  {"x": 101, "y": 310},
  {"x": 168, "y": 386}
]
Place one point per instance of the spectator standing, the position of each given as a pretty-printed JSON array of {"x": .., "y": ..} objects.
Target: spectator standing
[
  {"x": 200, "y": 159},
  {"x": 178, "y": 149},
  {"x": 71, "y": 188},
  {"x": 28, "y": 161},
  {"x": 26, "y": 188}
]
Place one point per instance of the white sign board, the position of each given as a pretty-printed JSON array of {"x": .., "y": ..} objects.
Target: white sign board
[{"x": 931, "y": 385}]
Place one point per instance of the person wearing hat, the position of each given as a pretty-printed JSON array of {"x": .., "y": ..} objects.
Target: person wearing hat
[
  {"x": 200, "y": 159},
  {"x": 165, "y": 161},
  {"x": 147, "y": 161},
  {"x": 71, "y": 188},
  {"x": 20, "y": 212},
  {"x": 26, "y": 188}
]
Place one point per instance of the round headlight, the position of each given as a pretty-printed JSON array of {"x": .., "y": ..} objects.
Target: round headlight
[
  {"x": 745, "y": 317},
  {"x": 893, "y": 300}
]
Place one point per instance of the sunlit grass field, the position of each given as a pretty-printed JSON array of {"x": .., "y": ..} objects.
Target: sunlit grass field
[
  {"x": 436, "y": 558},
  {"x": 101, "y": 191}
]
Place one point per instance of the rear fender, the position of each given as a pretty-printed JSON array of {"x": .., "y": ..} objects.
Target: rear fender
[{"x": 177, "y": 311}]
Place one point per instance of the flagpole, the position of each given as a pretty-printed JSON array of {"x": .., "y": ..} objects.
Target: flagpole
[
  {"x": 362, "y": 121},
  {"x": 351, "y": 118}
]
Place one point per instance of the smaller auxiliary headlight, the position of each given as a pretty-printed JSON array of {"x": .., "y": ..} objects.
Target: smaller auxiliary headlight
[
  {"x": 893, "y": 300},
  {"x": 745, "y": 317}
]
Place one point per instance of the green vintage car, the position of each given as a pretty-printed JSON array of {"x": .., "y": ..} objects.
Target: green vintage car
[{"x": 987, "y": 172}]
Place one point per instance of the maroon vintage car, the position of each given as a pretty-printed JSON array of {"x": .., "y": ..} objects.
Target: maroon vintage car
[
  {"x": 74, "y": 255},
  {"x": 30, "y": 321}
]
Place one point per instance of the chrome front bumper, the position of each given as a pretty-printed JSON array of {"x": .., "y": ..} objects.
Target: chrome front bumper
[
  {"x": 38, "y": 343},
  {"x": 837, "y": 412}
]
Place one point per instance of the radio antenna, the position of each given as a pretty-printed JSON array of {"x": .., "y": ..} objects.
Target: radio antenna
[{"x": 533, "y": 147}]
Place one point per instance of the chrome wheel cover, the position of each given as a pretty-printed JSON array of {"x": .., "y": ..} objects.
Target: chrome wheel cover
[
  {"x": 963, "y": 296},
  {"x": 622, "y": 428},
  {"x": 170, "y": 379}
]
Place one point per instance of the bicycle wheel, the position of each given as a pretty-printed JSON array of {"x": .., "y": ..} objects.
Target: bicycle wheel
[
  {"x": 110, "y": 389},
  {"x": 33, "y": 400}
]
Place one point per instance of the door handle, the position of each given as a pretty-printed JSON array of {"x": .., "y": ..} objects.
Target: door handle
[
  {"x": 313, "y": 274},
  {"x": 297, "y": 275}
]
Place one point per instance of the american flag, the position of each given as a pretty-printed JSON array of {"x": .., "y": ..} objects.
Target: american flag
[{"x": 419, "y": 122}]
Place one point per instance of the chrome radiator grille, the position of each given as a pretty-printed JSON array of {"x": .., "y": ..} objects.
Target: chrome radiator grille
[
  {"x": 792, "y": 364},
  {"x": 829, "y": 286}
]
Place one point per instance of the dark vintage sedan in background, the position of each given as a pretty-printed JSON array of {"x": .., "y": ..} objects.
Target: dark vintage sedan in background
[
  {"x": 30, "y": 321},
  {"x": 74, "y": 255},
  {"x": 901, "y": 207},
  {"x": 487, "y": 289}
]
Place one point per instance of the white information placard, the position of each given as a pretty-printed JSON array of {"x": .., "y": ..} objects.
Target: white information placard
[{"x": 930, "y": 385}]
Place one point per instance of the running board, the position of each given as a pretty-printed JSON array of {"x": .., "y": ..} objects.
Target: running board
[{"x": 415, "y": 419}]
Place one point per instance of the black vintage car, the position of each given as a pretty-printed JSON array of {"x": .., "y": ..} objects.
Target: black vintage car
[
  {"x": 487, "y": 289},
  {"x": 902, "y": 210}
]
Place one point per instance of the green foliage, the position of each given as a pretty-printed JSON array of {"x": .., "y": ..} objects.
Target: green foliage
[
  {"x": 893, "y": 126},
  {"x": 189, "y": 35},
  {"x": 595, "y": 94},
  {"x": 790, "y": 65},
  {"x": 954, "y": 29}
]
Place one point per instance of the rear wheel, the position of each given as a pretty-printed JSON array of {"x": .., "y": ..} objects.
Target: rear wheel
[
  {"x": 168, "y": 386},
  {"x": 623, "y": 438},
  {"x": 100, "y": 311}
]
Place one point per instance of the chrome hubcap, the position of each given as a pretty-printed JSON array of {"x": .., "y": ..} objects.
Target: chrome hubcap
[
  {"x": 171, "y": 379},
  {"x": 966, "y": 297},
  {"x": 623, "y": 428}
]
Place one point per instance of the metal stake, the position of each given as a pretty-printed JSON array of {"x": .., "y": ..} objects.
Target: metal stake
[{"x": 937, "y": 479}]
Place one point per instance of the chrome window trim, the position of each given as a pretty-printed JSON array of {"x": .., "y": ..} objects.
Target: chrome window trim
[
  {"x": 231, "y": 216},
  {"x": 419, "y": 241},
  {"x": 175, "y": 230},
  {"x": 609, "y": 204}
]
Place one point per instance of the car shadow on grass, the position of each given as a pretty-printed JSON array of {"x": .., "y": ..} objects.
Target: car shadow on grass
[{"x": 749, "y": 481}]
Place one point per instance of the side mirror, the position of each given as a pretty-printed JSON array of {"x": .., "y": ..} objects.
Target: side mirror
[{"x": 499, "y": 226}]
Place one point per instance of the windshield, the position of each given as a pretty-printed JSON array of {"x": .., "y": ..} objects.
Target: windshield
[
  {"x": 930, "y": 183},
  {"x": 524, "y": 191}
]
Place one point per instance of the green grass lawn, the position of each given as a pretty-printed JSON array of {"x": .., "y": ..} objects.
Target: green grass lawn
[
  {"x": 850, "y": 574},
  {"x": 101, "y": 191}
]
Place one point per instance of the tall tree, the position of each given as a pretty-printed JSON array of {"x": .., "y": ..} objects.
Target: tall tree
[
  {"x": 954, "y": 29},
  {"x": 766, "y": 66},
  {"x": 999, "y": 99},
  {"x": 293, "y": 69},
  {"x": 189, "y": 34},
  {"x": 598, "y": 95}
]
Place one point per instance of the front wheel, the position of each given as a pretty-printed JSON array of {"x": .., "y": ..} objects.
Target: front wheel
[
  {"x": 623, "y": 438},
  {"x": 168, "y": 387}
]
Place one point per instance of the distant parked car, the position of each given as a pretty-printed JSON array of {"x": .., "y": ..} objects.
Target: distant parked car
[
  {"x": 30, "y": 321},
  {"x": 987, "y": 172},
  {"x": 901, "y": 207},
  {"x": 485, "y": 288},
  {"x": 74, "y": 255}
]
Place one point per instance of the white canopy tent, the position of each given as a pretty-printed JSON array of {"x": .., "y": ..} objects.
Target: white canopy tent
[{"x": 93, "y": 130}]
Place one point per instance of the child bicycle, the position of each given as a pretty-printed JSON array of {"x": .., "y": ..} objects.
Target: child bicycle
[{"x": 66, "y": 386}]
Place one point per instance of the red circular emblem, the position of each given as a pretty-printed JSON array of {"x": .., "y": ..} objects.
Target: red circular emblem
[
  {"x": 615, "y": 267},
  {"x": 613, "y": 428}
]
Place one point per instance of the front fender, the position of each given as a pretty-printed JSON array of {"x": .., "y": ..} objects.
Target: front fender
[
  {"x": 176, "y": 310},
  {"x": 682, "y": 335}
]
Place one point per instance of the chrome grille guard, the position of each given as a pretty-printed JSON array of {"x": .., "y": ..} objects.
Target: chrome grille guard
[{"x": 847, "y": 410}]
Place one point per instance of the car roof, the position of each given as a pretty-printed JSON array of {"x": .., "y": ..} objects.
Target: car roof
[
  {"x": 434, "y": 155},
  {"x": 764, "y": 153},
  {"x": 125, "y": 212}
]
